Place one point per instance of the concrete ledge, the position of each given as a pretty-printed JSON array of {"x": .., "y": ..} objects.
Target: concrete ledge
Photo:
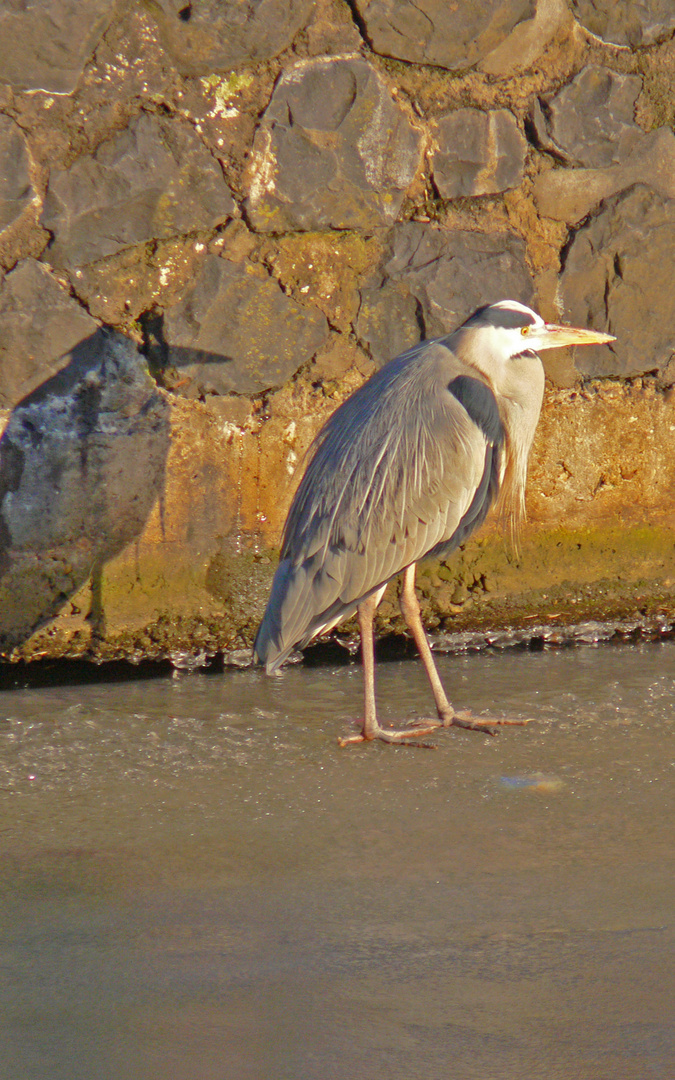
[{"x": 599, "y": 542}]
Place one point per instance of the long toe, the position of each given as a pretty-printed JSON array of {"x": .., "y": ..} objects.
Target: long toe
[
  {"x": 409, "y": 736},
  {"x": 486, "y": 724}
]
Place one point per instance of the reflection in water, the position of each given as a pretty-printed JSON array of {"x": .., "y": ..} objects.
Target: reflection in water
[{"x": 196, "y": 882}]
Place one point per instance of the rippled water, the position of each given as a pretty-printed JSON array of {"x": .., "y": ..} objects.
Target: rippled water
[{"x": 197, "y": 884}]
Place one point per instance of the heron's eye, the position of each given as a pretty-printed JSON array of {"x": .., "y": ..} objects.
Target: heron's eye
[{"x": 524, "y": 330}]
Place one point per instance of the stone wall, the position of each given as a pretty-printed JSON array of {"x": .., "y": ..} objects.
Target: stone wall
[{"x": 219, "y": 217}]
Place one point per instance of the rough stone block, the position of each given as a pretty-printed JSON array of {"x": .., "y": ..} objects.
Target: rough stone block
[
  {"x": 528, "y": 39},
  {"x": 46, "y": 45},
  {"x": 40, "y": 323},
  {"x": 591, "y": 120},
  {"x": 208, "y": 35},
  {"x": 570, "y": 194},
  {"x": 618, "y": 276},
  {"x": 624, "y": 22},
  {"x": 235, "y": 330},
  {"x": 478, "y": 153},
  {"x": 16, "y": 190},
  {"x": 453, "y": 36},
  {"x": 387, "y": 323},
  {"x": 151, "y": 181},
  {"x": 448, "y": 275},
  {"x": 82, "y": 463},
  {"x": 333, "y": 150}
]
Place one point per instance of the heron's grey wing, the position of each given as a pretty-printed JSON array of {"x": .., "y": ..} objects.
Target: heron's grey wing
[{"x": 396, "y": 471}]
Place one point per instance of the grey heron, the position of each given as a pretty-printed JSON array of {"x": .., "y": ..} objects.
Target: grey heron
[{"x": 406, "y": 469}]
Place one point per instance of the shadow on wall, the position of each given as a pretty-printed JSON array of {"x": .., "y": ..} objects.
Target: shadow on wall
[{"x": 82, "y": 463}]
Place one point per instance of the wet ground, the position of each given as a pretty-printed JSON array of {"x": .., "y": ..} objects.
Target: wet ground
[{"x": 197, "y": 884}]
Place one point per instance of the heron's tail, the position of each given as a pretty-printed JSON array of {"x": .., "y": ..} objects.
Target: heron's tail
[
  {"x": 269, "y": 647},
  {"x": 304, "y": 601}
]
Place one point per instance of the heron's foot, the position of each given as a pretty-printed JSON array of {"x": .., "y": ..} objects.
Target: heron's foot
[
  {"x": 409, "y": 736},
  {"x": 489, "y": 725}
]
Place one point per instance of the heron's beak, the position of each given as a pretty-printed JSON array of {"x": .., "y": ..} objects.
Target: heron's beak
[{"x": 557, "y": 336}]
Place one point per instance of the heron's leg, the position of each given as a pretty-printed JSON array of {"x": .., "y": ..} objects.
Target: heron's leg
[
  {"x": 366, "y": 615},
  {"x": 410, "y": 608},
  {"x": 371, "y": 728}
]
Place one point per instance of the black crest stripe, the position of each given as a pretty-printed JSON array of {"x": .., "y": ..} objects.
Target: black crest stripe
[{"x": 506, "y": 317}]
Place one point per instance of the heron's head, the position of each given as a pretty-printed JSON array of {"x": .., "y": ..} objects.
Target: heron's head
[
  {"x": 502, "y": 341},
  {"x": 509, "y": 330}
]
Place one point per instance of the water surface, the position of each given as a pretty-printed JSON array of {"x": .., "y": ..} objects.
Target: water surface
[{"x": 197, "y": 884}]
